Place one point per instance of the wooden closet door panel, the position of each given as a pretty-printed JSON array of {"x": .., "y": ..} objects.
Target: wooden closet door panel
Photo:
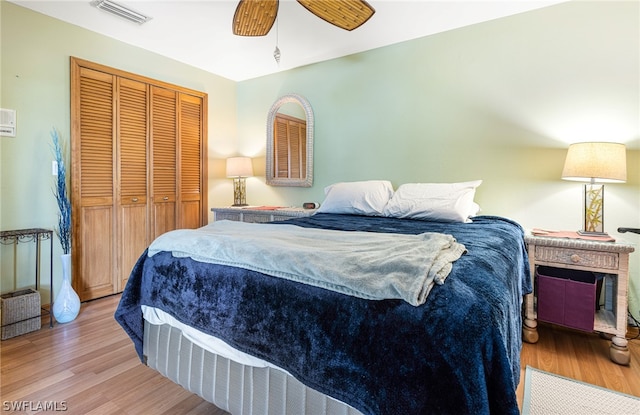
[
  {"x": 164, "y": 154},
  {"x": 133, "y": 242},
  {"x": 96, "y": 260},
  {"x": 132, "y": 139},
  {"x": 191, "y": 152},
  {"x": 93, "y": 216}
]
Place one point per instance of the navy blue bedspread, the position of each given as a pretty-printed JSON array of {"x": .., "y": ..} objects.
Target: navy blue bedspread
[{"x": 459, "y": 353}]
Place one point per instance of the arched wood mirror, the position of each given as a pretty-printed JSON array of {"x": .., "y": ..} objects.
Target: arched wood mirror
[{"x": 290, "y": 142}]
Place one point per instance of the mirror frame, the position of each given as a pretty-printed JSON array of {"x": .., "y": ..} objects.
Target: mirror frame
[{"x": 307, "y": 181}]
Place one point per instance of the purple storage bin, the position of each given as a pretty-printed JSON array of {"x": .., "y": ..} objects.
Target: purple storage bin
[{"x": 566, "y": 297}]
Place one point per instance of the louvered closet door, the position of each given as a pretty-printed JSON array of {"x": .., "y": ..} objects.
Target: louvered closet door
[
  {"x": 93, "y": 182},
  {"x": 138, "y": 170},
  {"x": 164, "y": 160},
  {"x": 133, "y": 226},
  {"x": 192, "y": 172}
]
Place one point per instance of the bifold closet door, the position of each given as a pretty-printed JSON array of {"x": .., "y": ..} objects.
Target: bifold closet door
[
  {"x": 192, "y": 155},
  {"x": 110, "y": 182},
  {"x": 132, "y": 224},
  {"x": 93, "y": 183},
  {"x": 138, "y": 157},
  {"x": 164, "y": 156}
]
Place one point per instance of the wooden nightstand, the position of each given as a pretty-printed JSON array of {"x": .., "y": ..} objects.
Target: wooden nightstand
[
  {"x": 610, "y": 258},
  {"x": 249, "y": 214}
]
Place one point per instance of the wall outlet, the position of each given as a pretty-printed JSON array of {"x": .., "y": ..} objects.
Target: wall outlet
[{"x": 54, "y": 168}]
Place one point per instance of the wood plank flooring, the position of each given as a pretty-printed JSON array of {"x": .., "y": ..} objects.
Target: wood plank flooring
[
  {"x": 582, "y": 356},
  {"x": 89, "y": 366}
]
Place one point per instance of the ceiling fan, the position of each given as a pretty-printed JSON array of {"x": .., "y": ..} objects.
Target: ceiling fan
[{"x": 256, "y": 17}]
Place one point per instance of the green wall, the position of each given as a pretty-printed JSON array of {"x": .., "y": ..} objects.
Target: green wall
[
  {"x": 499, "y": 101},
  {"x": 35, "y": 81}
]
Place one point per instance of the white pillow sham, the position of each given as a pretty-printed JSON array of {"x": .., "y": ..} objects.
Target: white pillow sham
[
  {"x": 357, "y": 198},
  {"x": 451, "y": 202}
]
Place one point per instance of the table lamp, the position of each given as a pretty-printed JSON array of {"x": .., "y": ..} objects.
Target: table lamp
[
  {"x": 239, "y": 168},
  {"x": 595, "y": 163}
]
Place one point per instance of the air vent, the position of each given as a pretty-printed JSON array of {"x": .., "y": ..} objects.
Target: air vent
[{"x": 120, "y": 11}]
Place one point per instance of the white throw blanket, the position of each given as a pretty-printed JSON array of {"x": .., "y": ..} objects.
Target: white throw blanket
[{"x": 368, "y": 265}]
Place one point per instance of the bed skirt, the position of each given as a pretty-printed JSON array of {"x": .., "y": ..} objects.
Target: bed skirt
[{"x": 233, "y": 387}]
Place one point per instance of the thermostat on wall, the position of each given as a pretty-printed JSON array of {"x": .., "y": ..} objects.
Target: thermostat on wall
[{"x": 7, "y": 122}]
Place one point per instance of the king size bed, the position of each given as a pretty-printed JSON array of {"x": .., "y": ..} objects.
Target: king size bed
[{"x": 251, "y": 338}]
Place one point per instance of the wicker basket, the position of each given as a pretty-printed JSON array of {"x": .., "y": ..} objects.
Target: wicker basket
[{"x": 20, "y": 313}]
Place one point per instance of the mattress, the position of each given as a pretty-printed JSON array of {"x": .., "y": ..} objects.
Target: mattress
[
  {"x": 205, "y": 341},
  {"x": 234, "y": 387}
]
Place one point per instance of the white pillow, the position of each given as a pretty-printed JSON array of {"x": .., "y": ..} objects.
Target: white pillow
[
  {"x": 357, "y": 198},
  {"x": 450, "y": 202},
  {"x": 475, "y": 209}
]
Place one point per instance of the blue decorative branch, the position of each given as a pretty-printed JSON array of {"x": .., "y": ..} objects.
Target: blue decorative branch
[{"x": 60, "y": 192}]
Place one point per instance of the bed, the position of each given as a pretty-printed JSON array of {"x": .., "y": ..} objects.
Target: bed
[{"x": 288, "y": 346}]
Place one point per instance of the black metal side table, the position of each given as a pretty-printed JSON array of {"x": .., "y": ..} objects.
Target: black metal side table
[{"x": 34, "y": 235}]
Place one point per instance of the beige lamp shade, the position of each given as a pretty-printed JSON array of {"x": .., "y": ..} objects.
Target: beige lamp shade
[
  {"x": 596, "y": 162},
  {"x": 239, "y": 167}
]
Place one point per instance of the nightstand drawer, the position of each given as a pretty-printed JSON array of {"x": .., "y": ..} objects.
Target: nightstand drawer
[
  {"x": 277, "y": 218},
  {"x": 260, "y": 215},
  {"x": 256, "y": 217},
  {"x": 228, "y": 216},
  {"x": 580, "y": 257}
]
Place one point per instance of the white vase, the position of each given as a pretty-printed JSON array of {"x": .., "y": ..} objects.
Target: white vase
[{"x": 67, "y": 303}]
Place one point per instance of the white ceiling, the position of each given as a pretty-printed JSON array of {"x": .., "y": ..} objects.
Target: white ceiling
[{"x": 198, "y": 32}]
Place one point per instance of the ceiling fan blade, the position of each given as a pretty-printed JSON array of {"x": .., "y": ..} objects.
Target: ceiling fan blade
[
  {"x": 254, "y": 17},
  {"x": 346, "y": 14}
]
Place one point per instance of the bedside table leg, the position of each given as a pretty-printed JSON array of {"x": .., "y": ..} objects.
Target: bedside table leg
[
  {"x": 530, "y": 331},
  {"x": 529, "y": 323},
  {"x": 619, "y": 352}
]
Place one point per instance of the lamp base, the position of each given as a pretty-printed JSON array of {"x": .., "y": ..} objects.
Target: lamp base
[
  {"x": 593, "y": 224},
  {"x": 239, "y": 192}
]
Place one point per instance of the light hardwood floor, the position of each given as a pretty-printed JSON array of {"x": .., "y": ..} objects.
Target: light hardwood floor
[{"x": 89, "y": 366}]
